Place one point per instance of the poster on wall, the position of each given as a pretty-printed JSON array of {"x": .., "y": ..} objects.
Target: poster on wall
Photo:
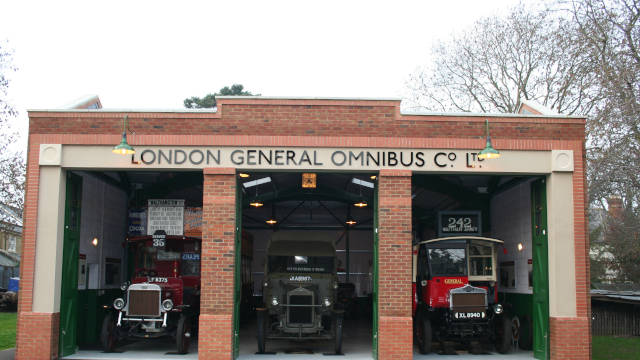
[
  {"x": 137, "y": 222},
  {"x": 165, "y": 214},
  {"x": 193, "y": 221}
]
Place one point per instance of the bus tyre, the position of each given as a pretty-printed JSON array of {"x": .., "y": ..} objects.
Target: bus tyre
[
  {"x": 424, "y": 335},
  {"x": 261, "y": 322},
  {"x": 183, "y": 334},
  {"x": 526, "y": 338},
  {"x": 109, "y": 333},
  {"x": 503, "y": 334},
  {"x": 339, "y": 322}
]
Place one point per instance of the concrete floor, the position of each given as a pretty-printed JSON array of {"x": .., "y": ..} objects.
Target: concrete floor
[
  {"x": 356, "y": 345},
  {"x": 140, "y": 350}
]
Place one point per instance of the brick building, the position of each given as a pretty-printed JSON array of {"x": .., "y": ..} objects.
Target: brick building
[{"x": 415, "y": 159}]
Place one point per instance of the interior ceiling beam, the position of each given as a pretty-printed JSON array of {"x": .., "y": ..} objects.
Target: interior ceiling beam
[
  {"x": 109, "y": 180},
  {"x": 452, "y": 190},
  {"x": 341, "y": 222},
  {"x": 296, "y": 193},
  {"x": 494, "y": 181},
  {"x": 291, "y": 212},
  {"x": 176, "y": 182},
  {"x": 510, "y": 184},
  {"x": 301, "y": 227}
]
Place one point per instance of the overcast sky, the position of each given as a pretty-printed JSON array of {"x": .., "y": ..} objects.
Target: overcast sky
[{"x": 154, "y": 54}]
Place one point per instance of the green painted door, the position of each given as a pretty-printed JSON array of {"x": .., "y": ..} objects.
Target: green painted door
[
  {"x": 540, "y": 270},
  {"x": 237, "y": 279},
  {"x": 375, "y": 275},
  {"x": 69, "y": 289}
]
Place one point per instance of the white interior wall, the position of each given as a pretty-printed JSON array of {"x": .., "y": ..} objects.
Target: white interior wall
[
  {"x": 104, "y": 215},
  {"x": 511, "y": 222},
  {"x": 361, "y": 257}
]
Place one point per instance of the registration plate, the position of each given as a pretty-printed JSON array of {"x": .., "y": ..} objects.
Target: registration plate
[{"x": 469, "y": 315}]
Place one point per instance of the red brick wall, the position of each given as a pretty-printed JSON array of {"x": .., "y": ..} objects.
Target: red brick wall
[
  {"x": 27, "y": 265},
  {"x": 37, "y": 336},
  {"x": 395, "y": 339},
  {"x": 317, "y": 123},
  {"x": 314, "y": 118},
  {"x": 570, "y": 338},
  {"x": 217, "y": 263}
]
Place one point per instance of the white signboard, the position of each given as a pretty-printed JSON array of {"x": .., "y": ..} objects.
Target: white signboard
[
  {"x": 419, "y": 160},
  {"x": 166, "y": 215}
]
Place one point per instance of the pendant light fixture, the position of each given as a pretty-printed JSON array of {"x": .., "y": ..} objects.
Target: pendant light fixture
[
  {"x": 488, "y": 152},
  {"x": 272, "y": 220},
  {"x": 361, "y": 202},
  {"x": 256, "y": 203},
  {"x": 124, "y": 148}
]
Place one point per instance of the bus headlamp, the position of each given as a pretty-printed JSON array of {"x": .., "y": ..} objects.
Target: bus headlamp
[
  {"x": 118, "y": 303},
  {"x": 498, "y": 309},
  {"x": 167, "y": 305},
  {"x": 274, "y": 301}
]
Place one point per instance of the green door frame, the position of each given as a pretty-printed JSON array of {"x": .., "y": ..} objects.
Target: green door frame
[
  {"x": 70, "y": 252},
  {"x": 374, "y": 330},
  {"x": 237, "y": 276},
  {"x": 237, "y": 295},
  {"x": 540, "y": 249}
]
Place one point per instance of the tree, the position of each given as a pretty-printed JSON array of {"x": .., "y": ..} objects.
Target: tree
[
  {"x": 576, "y": 57},
  {"x": 611, "y": 37},
  {"x": 209, "y": 100},
  {"x": 501, "y": 61},
  {"x": 12, "y": 164},
  {"x": 621, "y": 239}
]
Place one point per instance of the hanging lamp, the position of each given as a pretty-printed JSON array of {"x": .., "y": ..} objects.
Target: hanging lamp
[
  {"x": 124, "y": 148},
  {"x": 256, "y": 202},
  {"x": 488, "y": 152},
  {"x": 272, "y": 220}
]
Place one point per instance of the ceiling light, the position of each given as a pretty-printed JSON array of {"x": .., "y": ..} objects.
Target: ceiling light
[
  {"x": 368, "y": 184},
  {"x": 243, "y": 175},
  {"x": 256, "y": 201},
  {"x": 373, "y": 177},
  {"x": 350, "y": 221},
  {"x": 94, "y": 242},
  {"x": 260, "y": 181},
  {"x": 272, "y": 220},
  {"x": 362, "y": 203}
]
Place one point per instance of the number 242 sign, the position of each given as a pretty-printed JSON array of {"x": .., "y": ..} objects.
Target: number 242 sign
[{"x": 452, "y": 223}]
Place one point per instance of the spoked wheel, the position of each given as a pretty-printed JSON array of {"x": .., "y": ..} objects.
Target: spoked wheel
[
  {"x": 503, "y": 334},
  {"x": 338, "y": 327},
  {"x": 183, "y": 334},
  {"x": 261, "y": 331},
  {"x": 109, "y": 333},
  {"x": 424, "y": 335}
]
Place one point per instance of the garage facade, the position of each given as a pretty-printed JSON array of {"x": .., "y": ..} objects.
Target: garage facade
[{"x": 260, "y": 134}]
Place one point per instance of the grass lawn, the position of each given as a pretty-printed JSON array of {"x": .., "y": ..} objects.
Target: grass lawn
[
  {"x": 7, "y": 330},
  {"x": 613, "y": 347}
]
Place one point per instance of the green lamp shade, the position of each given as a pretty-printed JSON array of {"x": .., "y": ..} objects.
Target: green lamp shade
[
  {"x": 123, "y": 148},
  {"x": 489, "y": 152}
]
